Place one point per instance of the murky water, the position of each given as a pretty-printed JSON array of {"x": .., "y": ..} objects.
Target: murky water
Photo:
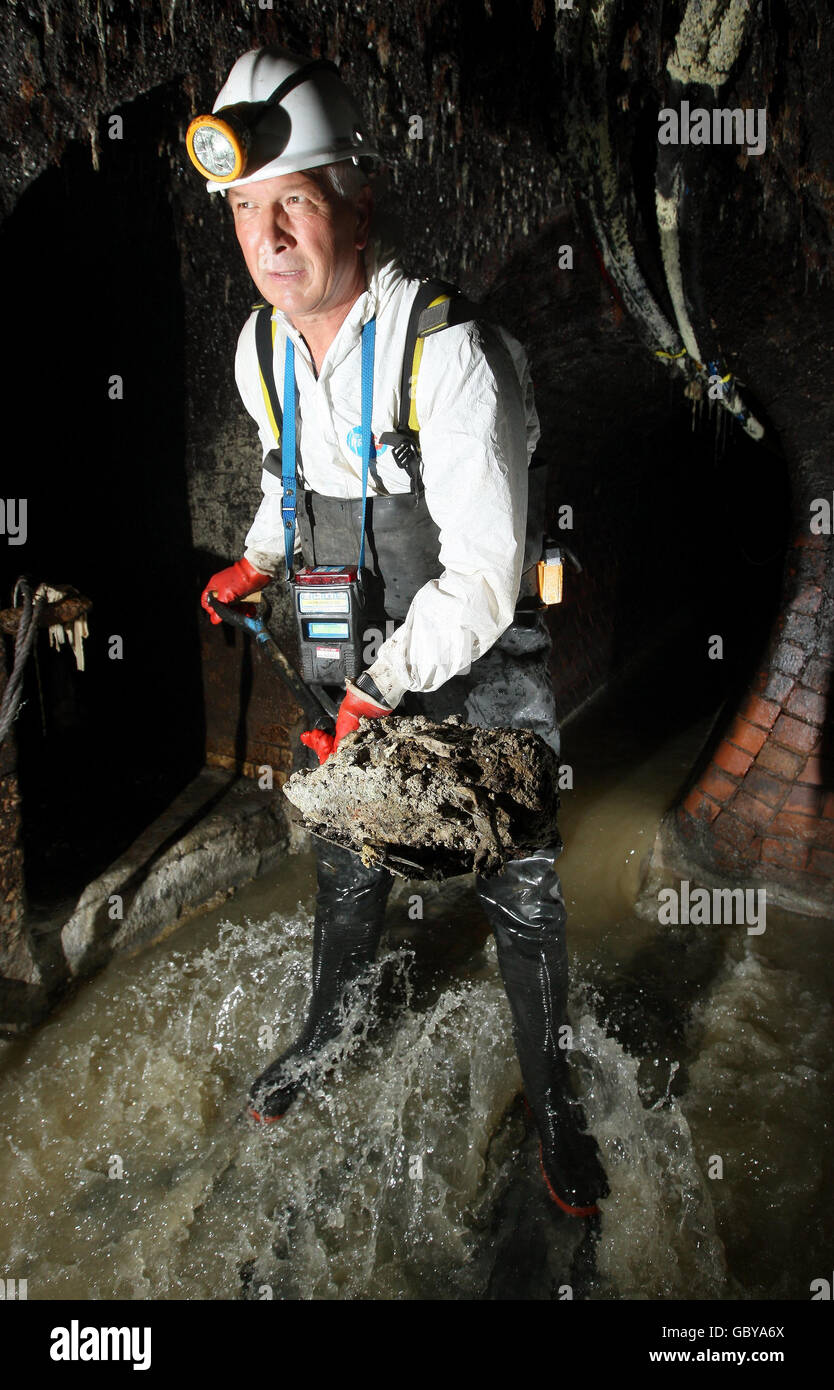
[{"x": 126, "y": 1171}]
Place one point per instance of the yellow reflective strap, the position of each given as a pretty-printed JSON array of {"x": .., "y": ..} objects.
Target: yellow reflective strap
[
  {"x": 273, "y": 422},
  {"x": 413, "y": 423}
]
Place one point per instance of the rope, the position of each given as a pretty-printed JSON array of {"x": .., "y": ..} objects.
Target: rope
[{"x": 28, "y": 626}]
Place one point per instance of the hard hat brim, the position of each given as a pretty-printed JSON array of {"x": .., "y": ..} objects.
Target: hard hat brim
[{"x": 276, "y": 167}]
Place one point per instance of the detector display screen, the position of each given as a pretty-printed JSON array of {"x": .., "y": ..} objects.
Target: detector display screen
[
  {"x": 319, "y": 629},
  {"x": 317, "y": 601}
]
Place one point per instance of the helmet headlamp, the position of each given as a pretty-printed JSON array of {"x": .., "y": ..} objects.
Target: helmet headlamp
[
  {"x": 238, "y": 140},
  {"x": 218, "y": 145}
]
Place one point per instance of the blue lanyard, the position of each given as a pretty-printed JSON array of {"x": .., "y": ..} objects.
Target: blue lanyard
[
  {"x": 288, "y": 455},
  {"x": 288, "y": 446}
]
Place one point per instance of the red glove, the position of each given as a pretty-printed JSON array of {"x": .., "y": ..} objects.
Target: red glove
[
  {"x": 236, "y": 582},
  {"x": 355, "y": 704}
]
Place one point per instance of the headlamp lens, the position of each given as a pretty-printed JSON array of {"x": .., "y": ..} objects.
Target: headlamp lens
[
  {"x": 217, "y": 148},
  {"x": 215, "y": 151}
]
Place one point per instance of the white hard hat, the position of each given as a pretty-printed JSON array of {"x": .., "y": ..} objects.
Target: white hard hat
[{"x": 277, "y": 113}]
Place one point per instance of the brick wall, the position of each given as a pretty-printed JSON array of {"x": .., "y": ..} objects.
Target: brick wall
[{"x": 763, "y": 805}]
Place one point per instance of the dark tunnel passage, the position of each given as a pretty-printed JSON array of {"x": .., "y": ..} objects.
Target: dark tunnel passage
[
  {"x": 679, "y": 520},
  {"x": 95, "y": 293}
]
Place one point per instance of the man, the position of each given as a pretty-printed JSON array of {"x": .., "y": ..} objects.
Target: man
[{"x": 445, "y": 539}]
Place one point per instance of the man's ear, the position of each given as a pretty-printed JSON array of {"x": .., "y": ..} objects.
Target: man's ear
[{"x": 364, "y": 212}]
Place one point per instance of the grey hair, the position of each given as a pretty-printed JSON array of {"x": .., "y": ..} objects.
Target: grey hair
[{"x": 345, "y": 178}]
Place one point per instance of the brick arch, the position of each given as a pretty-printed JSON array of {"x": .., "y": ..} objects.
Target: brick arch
[{"x": 763, "y": 806}]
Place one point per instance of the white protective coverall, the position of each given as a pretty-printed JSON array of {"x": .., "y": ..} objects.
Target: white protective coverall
[{"x": 478, "y": 430}]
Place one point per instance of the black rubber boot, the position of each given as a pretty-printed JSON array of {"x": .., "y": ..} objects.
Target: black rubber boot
[
  {"x": 527, "y": 913},
  {"x": 350, "y": 916}
]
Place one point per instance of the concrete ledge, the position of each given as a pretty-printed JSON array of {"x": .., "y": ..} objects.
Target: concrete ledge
[
  {"x": 220, "y": 832},
  {"x": 671, "y": 860}
]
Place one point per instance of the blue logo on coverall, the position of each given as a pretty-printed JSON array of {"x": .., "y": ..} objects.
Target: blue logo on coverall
[{"x": 354, "y": 442}]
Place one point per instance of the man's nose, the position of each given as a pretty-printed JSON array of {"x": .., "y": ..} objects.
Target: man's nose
[{"x": 278, "y": 227}]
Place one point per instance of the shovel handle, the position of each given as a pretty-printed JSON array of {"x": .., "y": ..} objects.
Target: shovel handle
[{"x": 311, "y": 699}]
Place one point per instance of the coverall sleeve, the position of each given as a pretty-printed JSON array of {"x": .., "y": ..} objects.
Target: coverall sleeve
[{"x": 475, "y": 425}]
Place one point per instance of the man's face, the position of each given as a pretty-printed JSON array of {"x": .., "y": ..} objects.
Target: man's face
[{"x": 302, "y": 245}]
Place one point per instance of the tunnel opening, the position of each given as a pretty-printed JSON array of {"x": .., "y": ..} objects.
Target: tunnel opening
[
  {"x": 679, "y": 520},
  {"x": 95, "y": 294}
]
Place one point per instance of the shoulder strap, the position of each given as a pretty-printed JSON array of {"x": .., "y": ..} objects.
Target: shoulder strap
[
  {"x": 265, "y": 343},
  {"x": 437, "y": 305}
]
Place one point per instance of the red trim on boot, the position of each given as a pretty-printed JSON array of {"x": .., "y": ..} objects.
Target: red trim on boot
[
  {"x": 263, "y": 1119},
  {"x": 569, "y": 1210}
]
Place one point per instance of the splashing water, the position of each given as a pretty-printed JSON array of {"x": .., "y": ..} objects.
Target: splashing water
[
  {"x": 405, "y": 1170},
  {"x": 379, "y": 1181},
  {"x": 363, "y": 1190},
  {"x": 658, "y": 1230}
]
